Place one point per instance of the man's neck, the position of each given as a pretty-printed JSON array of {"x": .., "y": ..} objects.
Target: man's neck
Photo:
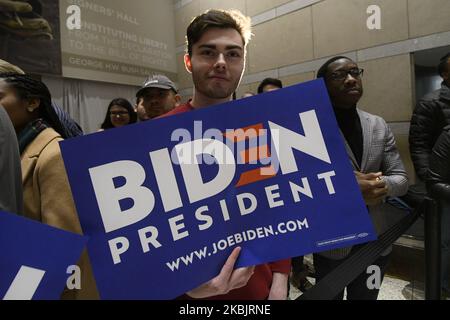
[
  {"x": 344, "y": 108},
  {"x": 200, "y": 101}
]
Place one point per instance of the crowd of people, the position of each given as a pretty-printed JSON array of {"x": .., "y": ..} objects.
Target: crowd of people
[{"x": 31, "y": 165}]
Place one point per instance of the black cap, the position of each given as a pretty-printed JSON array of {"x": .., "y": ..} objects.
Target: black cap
[{"x": 158, "y": 81}]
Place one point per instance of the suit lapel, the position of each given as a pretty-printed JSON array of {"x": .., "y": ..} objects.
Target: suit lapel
[
  {"x": 350, "y": 153},
  {"x": 367, "y": 138}
]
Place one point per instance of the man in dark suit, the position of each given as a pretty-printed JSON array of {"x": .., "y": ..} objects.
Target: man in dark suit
[{"x": 378, "y": 168}]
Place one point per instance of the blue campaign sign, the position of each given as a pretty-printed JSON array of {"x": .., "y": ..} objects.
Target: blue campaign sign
[
  {"x": 35, "y": 258},
  {"x": 165, "y": 202}
]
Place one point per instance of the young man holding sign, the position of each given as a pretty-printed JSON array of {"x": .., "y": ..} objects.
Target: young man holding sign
[{"x": 216, "y": 43}]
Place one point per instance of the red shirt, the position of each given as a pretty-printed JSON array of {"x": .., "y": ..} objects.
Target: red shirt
[
  {"x": 180, "y": 109},
  {"x": 258, "y": 287}
]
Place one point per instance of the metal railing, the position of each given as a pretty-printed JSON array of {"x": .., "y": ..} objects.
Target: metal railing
[{"x": 440, "y": 194}]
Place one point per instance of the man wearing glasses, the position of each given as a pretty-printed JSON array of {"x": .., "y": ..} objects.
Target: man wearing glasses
[{"x": 378, "y": 168}]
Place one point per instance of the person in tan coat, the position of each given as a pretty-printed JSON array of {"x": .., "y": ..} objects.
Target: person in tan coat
[{"x": 46, "y": 191}]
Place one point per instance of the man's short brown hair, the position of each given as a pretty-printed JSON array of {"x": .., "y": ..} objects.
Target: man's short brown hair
[{"x": 214, "y": 18}]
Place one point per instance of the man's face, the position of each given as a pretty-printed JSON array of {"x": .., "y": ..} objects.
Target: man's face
[
  {"x": 140, "y": 111},
  {"x": 119, "y": 116},
  {"x": 14, "y": 106},
  {"x": 217, "y": 63},
  {"x": 446, "y": 74},
  {"x": 156, "y": 101},
  {"x": 270, "y": 87},
  {"x": 344, "y": 83}
]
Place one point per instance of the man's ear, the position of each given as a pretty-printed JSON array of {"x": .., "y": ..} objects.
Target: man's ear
[
  {"x": 446, "y": 76},
  {"x": 187, "y": 63},
  {"x": 177, "y": 98},
  {"x": 33, "y": 104}
]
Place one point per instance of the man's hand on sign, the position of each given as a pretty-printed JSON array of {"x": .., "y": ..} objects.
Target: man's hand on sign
[
  {"x": 227, "y": 280},
  {"x": 372, "y": 186}
]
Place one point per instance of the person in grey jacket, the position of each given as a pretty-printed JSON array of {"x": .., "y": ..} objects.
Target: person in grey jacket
[
  {"x": 378, "y": 168},
  {"x": 10, "y": 174}
]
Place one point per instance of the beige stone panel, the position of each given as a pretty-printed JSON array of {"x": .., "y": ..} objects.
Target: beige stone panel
[
  {"x": 221, "y": 4},
  {"x": 255, "y": 7},
  {"x": 183, "y": 18},
  {"x": 427, "y": 17},
  {"x": 251, "y": 87},
  {"x": 388, "y": 88},
  {"x": 186, "y": 97},
  {"x": 284, "y": 41},
  {"x": 287, "y": 81},
  {"x": 254, "y": 87},
  {"x": 243, "y": 89},
  {"x": 184, "y": 77},
  {"x": 341, "y": 25},
  {"x": 402, "y": 143},
  {"x": 297, "y": 78}
]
